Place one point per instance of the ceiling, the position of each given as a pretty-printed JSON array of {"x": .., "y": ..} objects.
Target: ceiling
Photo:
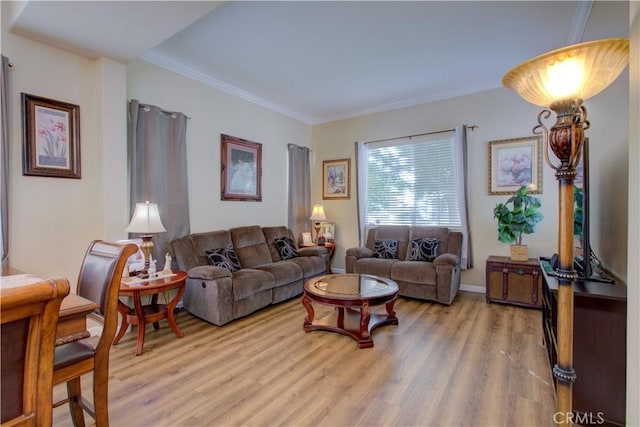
[{"x": 323, "y": 61}]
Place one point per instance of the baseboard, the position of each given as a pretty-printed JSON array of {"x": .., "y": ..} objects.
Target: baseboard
[
  {"x": 338, "y": 270},
  {"x": 473, "y": 288}
]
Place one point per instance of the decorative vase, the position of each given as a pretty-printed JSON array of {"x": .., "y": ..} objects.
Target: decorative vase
[{"x": 519, "y": 252}]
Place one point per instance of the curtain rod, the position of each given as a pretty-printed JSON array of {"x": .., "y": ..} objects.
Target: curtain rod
[
  {"x": 299, "y": 147},
  {"x": 472, "y": 127},
  {"x": 147, "y": 107}
]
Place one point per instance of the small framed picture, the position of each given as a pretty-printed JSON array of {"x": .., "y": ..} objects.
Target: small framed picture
[
  {"x": 336, "y": 179},
  {"x": 50, "y": 137},
  {"x": 328, "y": 231},
  {"x": 306, "y": 239},
  {"x": 514, "y": 163}
]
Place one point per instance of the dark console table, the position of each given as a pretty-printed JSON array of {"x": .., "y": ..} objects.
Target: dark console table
[{"x": 599, "y": 344}]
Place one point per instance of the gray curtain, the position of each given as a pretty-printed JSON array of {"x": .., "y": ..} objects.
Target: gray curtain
[
  {"x": 299, "y": 190},
  {"x": 158, "y": 169},
  {"x": 4, "y": 162}
]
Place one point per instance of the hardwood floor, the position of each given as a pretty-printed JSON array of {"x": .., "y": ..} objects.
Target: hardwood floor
[{"x": 468, "y": 364}]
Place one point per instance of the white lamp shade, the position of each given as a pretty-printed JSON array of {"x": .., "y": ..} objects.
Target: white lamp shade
[
  {"x": 579, "y": 71},
  {"x": 146, "y": 219},
  {"x": 318, "y": 213}
]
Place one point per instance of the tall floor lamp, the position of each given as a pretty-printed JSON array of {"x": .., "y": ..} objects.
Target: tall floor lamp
[{"x": 561, "y": 80}]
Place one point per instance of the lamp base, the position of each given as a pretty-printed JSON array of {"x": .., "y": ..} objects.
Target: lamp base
[{"x": 147, "y": 248}]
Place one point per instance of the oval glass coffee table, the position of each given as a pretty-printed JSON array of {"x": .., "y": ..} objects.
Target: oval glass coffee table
[{"x": 353, "y": 295}]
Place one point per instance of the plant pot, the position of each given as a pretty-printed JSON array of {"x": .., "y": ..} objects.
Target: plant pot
[{"x": 519, "y": 252}]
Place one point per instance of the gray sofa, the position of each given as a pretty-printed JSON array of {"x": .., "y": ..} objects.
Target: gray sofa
[
  {"x": 219, "y": 296},
  {"x": 435, "y": 280}
]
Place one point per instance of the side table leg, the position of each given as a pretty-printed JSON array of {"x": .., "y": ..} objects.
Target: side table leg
[
  {"x": 141, "y": 322},
  {"x": 171, "y": 318},
  {"x": 123, "y": 310}
]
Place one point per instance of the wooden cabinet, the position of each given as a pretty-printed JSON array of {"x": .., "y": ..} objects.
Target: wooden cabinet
[
  {"x": 599, "y": 345},
  {"x": 514, "y": 282}
]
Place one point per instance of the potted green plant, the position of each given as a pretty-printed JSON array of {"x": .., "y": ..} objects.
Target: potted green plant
[{"x": 517, "y": 216}]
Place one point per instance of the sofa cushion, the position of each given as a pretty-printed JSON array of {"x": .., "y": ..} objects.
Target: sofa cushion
[
  {"x": 286, "y": 248},
  {"x": 251, "y": 246},
  {"x": 375, "y": 266},
  {"x": 213, "y": 239},
  {"x": 248, "y": 281},
  {"x": 224, "y": 257},
  {"x": 283, "y": 272},
  {"x": 390, "y": 232},
  {"x": 424, "y": 249},
  {"x": 414, "y": 272},
  {"x": 385, "y": 249},
  {"x": 440, "y": 233},
  {"x": 311, "y": 265},
  {"x": 273, "y": 233}
]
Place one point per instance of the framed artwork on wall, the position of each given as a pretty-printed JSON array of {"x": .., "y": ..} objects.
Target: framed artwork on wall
[
  {"x": 50, "y": 137},
  {"x": 241, "y": 169},
  {"x": 336, "y": 181},
  {"x": 514, "y": 163}
]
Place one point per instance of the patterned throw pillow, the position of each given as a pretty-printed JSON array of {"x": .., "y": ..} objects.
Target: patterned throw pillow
[
  {"x": 424, "y": 249},
  {"x": 386, "y": 249},
  {"x": 286, "y": 248},
  {"x": 224, "y": 257}
]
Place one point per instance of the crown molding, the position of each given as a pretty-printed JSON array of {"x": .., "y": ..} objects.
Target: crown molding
[
  {"x": 171, "y": 65},
  {"x": 579, "y": 23}
]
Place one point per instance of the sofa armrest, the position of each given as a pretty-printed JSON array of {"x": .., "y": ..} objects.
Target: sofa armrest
[
  {"x": 312, "y": 251},
  {"x": 360, "y": 252},
  {"x": 354, "y": 254},
  {"x": 208, "y": 272},
  {"x": 447, "y": 259}
]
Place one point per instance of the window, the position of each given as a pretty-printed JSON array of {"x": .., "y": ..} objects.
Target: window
[
  {"x": 418, "y": 180},
  {"x": 412, "y": 181}
]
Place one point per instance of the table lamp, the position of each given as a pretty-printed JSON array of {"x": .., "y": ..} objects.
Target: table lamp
[
  {"x": 561, "y": 80},
  {"x": 317, "y": 216},
  {"x": 146, "y": 221}
]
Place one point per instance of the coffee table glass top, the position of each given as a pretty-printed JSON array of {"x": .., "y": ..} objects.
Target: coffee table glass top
[{"x": 348, "y": 286}]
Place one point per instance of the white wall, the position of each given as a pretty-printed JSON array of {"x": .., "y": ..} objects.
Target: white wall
[
  {"x": 499, "y": 114},
  {"x": 212, "y": 113},
  {"x": 52, "y": 220}
]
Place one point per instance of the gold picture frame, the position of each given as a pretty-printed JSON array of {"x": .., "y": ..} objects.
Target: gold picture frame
[
  {"x": 514, "y": 163},
  {"x": 336, "y": 179}
]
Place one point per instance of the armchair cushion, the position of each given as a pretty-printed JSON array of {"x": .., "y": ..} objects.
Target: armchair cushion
[
  {"x": 423, "y": 249},
  {"x": 385, "y": 249},
  {"x": 224, "y": 257}
]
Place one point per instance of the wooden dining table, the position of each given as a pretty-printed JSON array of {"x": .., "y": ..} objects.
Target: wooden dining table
[{"x": 74, "y": 310}]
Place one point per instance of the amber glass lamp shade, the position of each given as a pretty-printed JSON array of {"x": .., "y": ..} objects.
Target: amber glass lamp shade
[{"x": 573, "y": 72}]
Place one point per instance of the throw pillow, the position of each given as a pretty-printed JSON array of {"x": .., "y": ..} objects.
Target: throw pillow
[
  {"x": 224, "y": 257},
  {"x": 387, "y": 249},
  {"x": 424, "y": 249},
  {"x": 286, "y": 248}
]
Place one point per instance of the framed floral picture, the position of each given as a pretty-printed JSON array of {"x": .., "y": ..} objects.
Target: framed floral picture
[
  {"x": 50, "y": 137},
  {"x": 514, "y": 163},
  {"x": 241, "y": 169},
  {"x": 336, "y": 182}
]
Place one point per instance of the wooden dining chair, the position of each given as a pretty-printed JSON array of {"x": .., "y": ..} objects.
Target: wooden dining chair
[
  {"x": 29, "y": 317},
  {"x": 98, "y": 281}
]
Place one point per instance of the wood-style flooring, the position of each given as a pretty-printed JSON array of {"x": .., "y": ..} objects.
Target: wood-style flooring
[{"x": 468, "y": 364}]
